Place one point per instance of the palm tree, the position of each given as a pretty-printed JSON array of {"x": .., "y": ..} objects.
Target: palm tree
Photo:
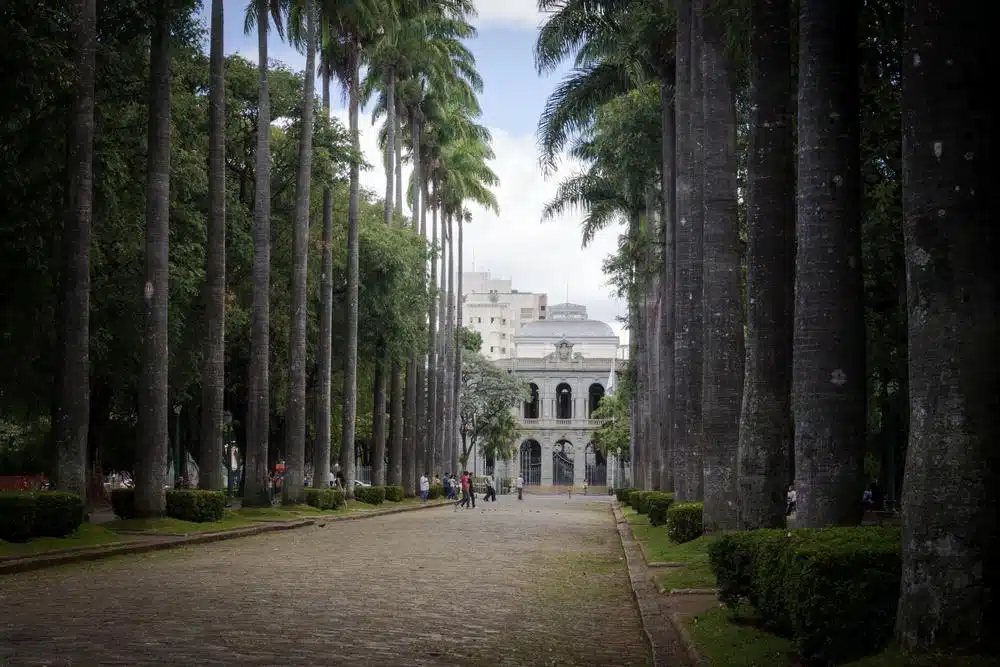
[
  {"x": 295, "y": 421},
  {"x": 151, "y": 456},
  {"x": 950, "y": 490},
  {"x": 255, "y": 486},
  {"x": 321, "y": 446},
  {"x": 765, "y": 421},
  {"x": 828, "y": 368},
  {"x": 73, "y": 407},
  {"x": 213, "y": 381}
]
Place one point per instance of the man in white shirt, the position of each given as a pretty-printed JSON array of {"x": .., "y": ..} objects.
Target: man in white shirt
[
  {"x": 425, "y": 487},
  {"x": 520, "y": 487}
]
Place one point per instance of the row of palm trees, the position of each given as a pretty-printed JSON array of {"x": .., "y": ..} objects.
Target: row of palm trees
[
  {"x": 425, "y": 84},
  {"x": 740, "y": 392}
]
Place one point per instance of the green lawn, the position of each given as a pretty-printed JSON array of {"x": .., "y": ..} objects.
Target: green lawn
[
  {"x": 87, "y": 535},
  {"x": 288, "y": 513},
  {"x": 658, "y": 548},
  {"x": 725, "y": 639},
  {"x": 176, "y": 526}
]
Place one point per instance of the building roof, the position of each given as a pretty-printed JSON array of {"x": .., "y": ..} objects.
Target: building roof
[{"x": 557, "y": 329}]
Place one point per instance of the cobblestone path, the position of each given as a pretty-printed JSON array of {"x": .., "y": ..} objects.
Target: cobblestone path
[{"x": 538, "y": 582}]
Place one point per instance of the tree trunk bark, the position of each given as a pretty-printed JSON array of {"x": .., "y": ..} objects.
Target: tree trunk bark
[
  {"x": 450, "y": 349},
  {"x": 393, "y": 186},
  {"x": 151, "y": 455},
  {"x": 321, "y": 446},
  {"x": 350, "y": 407},
  {"x": 378, "y": 416},
  {"x": 950, "y": 504},
  {"x": 73, "y": 398},
  {"x": 722, "y": 279},
  {"x": 828, "y": 355},
  {"x": 441, "y": 370},
  {"x": 213, "y": 376},
  {"x": 422, "y": 430},
  {"x": 430, "y": 457},
  {"x": 295, "y": 420},
  {"x": 390, "y": 144},
  {"x": 255, "y": 487},
  {"x": 456, "y": 368},
  {"x": 665, "y": 342},
  {"x": 688, "y": 475},
  {"x": 765, "y": 422}
]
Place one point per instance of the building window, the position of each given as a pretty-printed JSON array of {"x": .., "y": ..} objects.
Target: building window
[
  {"x": 492, "y": 319},
  {"x": 504, "y": 321},
  {"x": 491, "y": 348},
  {"x": 480, "y": 320}
]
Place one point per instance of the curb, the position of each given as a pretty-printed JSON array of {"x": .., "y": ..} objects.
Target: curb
[
  {"x": 666, "y": 645},
  {"x": 13, "y": 565},
  {"x": 686, "y": 640}
]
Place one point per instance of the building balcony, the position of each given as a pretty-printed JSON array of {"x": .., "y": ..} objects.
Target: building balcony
[{"x": 552, "y": 422}]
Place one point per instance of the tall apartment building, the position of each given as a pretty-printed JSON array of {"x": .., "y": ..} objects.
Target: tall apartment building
[{"x": 497, "y": 311}]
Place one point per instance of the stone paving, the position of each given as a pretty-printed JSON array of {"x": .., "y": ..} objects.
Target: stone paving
[{"x": 537, "y": 582}]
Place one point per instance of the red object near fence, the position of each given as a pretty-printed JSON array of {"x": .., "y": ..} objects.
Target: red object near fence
[{"x": 22, "y": 482}]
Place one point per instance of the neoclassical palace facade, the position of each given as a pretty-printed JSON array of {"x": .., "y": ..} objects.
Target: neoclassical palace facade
[{"x": 569, "y": 363}]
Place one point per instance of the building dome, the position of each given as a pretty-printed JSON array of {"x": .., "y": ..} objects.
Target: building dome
[{"x": 557, "y": 329}]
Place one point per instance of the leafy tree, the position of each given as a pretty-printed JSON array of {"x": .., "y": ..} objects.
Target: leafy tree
[
  {"x": 486, "y": 399},
  {"x": 612, "y": 437},
  {"x": 470, "y": 339}
]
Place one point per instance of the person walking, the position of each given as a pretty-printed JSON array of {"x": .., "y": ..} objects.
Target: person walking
[
  {"x": 425, "y": 488},
  {"x": 520, "y": 486},
  {"x": 465, "y": 483},
  {"x": 491, "y": 491}
]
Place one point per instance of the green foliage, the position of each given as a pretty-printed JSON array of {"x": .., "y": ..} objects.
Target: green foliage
[
  {"x": 325, "y": 499},
  {"x": 624, "y": 495},
  {"x": 833, "y": 590},
  {"x": 394, "y": 494},
  {"x": 613, "y": 435},
  {"x": 684, "y": 522},
  {"x": 25, "y": 515},
  {"x": 371, "y": 495},
  {"x": 657, "y": 504},
  {"x": 470, "y": 339},
  {"x": 637, "y": 500},
  {"x": 196, "y": 505},
  {"x": 486, "y": 397},
  {"x": 436, "y": 491}
]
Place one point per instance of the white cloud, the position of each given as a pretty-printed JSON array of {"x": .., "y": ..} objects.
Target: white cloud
[
  {"x": 514, "y": 13},
  {"x": 538, "y": 257}
]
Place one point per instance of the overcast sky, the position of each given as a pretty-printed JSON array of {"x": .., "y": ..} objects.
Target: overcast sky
[{"x": 539, "y": 257}]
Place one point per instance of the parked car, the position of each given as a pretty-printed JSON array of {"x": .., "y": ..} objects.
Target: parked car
[{"x": 358, "y": 482}]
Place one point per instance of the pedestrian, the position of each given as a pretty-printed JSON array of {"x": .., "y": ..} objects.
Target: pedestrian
[
  {"x": 520, "y": 487},
  {"x": 465, "y": 491},
  {"x": 491, "y": 492},
  {"x": 425, "y": 487}
]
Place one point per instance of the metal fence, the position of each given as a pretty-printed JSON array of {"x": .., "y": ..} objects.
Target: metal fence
[
  {"x": 596, "y": 475},
  {"x": 363, "y": 474}
]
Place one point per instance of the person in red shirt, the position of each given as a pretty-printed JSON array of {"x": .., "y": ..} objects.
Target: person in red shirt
[{"x": 466, "y": 489}]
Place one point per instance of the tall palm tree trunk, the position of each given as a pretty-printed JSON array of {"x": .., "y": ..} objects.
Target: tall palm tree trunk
[
  {"x": 950, "y": 493},
  {"x": 765, "y": 420},
  {"x": 688, "y": 335},
  {"x": 295, "y": 419},
  {"x": 723, "y": 349},
  {"x": 441, "y": 404},
  {"x": 151, "y": 455},
  {"x": 422, "y": 429},
  {"x": 213, "y": 380},
  {"x": 350, "y": 407},
  {"x": 430, "y": 460},
  {"x": 449, "y": 427},
  {"x": 73, "y": 402},
  {"x": 828, "y": 362},
  {"x": 668, "y": 267},
  {"x": 636, "y": 352},
  {"x": 457, "y": 363},
  {"x": 321, "y": 446},
  {"x": 379, "y": 383},
  {"x": 255, "y": 486},
  {"x": 414, "y": 366},
  {"x": 395, "y": 469}
]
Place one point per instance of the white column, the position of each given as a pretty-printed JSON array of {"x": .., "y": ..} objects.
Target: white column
[
  {"x": 546, "y": 476},
  {"x": 579, "y": 461}
]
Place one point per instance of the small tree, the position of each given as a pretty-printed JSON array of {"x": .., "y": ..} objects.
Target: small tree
[
  {"x": 486, "y": 398},
  {"x": 612, "y": 437}
]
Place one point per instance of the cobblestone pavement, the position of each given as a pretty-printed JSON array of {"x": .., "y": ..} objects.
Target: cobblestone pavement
[{"x": 537, "y": 582}]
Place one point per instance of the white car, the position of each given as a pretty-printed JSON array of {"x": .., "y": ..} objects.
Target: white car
[{"x": 358, "y": 482}]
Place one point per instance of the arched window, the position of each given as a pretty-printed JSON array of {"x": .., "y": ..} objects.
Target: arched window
[
  {"x": 594, "y": 395},
  {"x": 564, "y": 401},
  {"x": 531, "y": 405}
]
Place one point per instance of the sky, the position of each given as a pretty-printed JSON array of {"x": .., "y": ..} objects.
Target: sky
[{"x": 539, "y": 257}]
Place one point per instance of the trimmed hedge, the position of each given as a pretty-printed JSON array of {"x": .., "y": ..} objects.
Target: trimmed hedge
[
  {"x": 394, "y": 494},
  {"x": 657, "y": 504},
  {"x": 26, "y": 514},
  {"x": 833, "y": 590},
  {"x": 325, "y": 499},
  {"x": 372, "y": 495},
  {"x": 684, "y": 522},
  {"x": 436, "y": 491},
  {"x": 196, "y": 505},
  {"x": 623, "y": 495}
]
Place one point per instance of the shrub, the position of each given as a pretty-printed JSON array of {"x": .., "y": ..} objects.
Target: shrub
[
  {"x": 633, "y": 499},
  {"x": 834, "y": 591},
  {"x": 642, "y": 501},
  {"x": 372, "y": 495},
  {"x": 394, "y": 494},
  {"x": 337, "y": 499},
  {"x": 196, "y": 505},
  {"x": 657, "y": 504},
  {"x": 57, "y": 514},
  {"x": 684, "y": 522},
  {"x": 436, "y": 491},
  {"x": 123, "y": 503},
  {"x": 623, "y": 495},
  {"x": 17, "y": 516},
  {"x": 321, "y": 499}
]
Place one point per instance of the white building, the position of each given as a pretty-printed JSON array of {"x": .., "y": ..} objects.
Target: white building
[
  {"x": 497, "y": 311},
  {"x": 569, "y": 362}
]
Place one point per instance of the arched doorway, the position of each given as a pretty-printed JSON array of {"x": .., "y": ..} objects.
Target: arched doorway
[
  {"x": 531, "y": 405},
  {"x": 564, "y": 401},
  {"x": 531, "y": 462},
  {"x": 562, "y": 463},
  {"x": 597, "y": 466},
  {"x": 594, "y": 395}
]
